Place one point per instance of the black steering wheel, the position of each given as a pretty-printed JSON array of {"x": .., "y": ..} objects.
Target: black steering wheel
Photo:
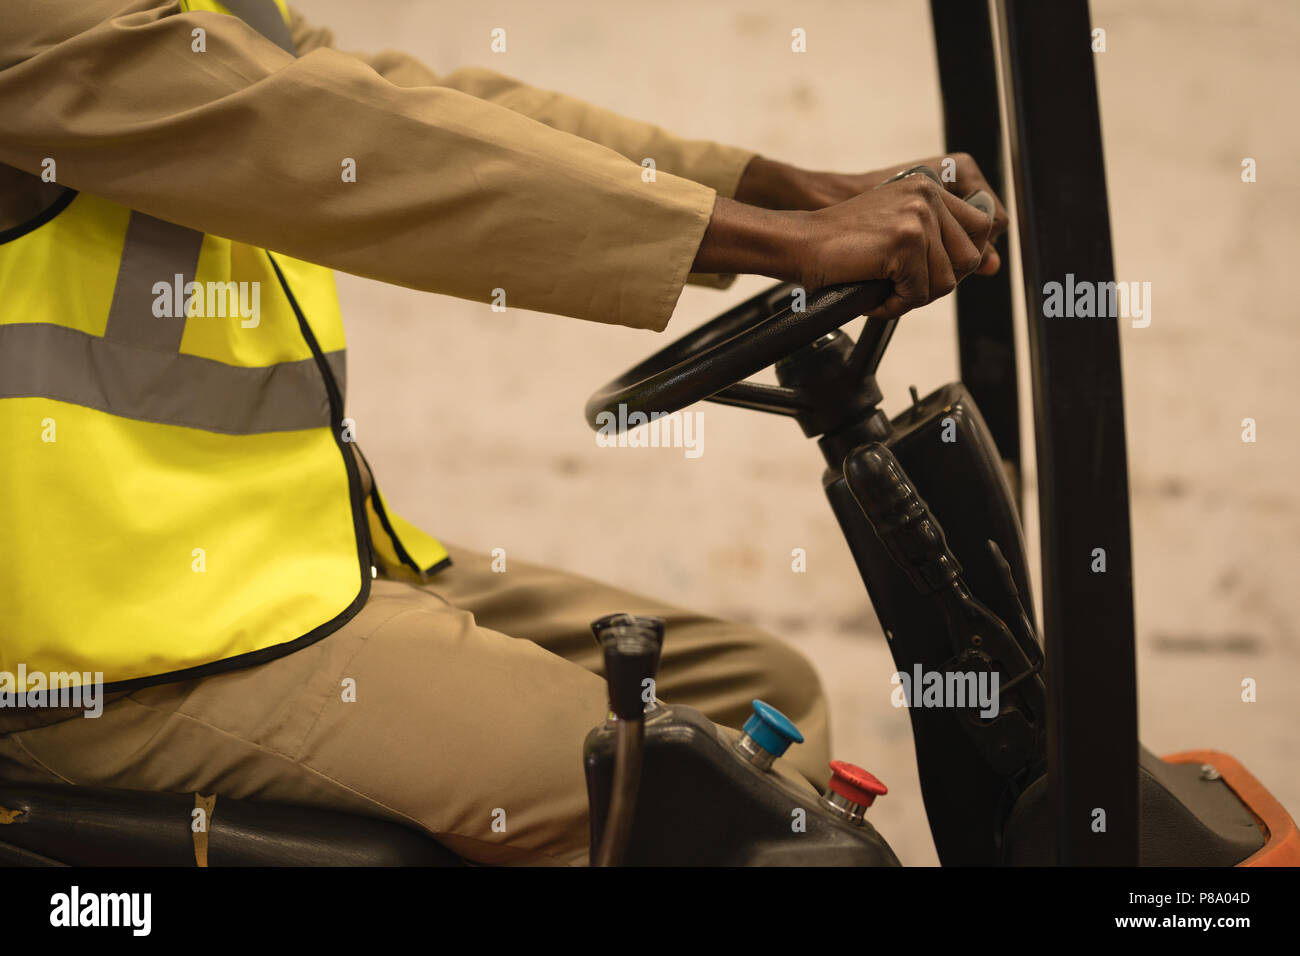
[{"x": 711, "y": 362}]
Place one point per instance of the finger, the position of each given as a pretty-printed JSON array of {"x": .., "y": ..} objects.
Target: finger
[
  {"x": 977, "y": 225},
  {"x": 892, "y": 308},
  {"x": 911, "y": 278},
  {"x": 1001, "y": 220},
  {"x": 970, "y": 178},
  {"x": 991, "y": 262},
  {"x": 911, "y": 289},
  {"x": 963, "y": 254},
  {"x": 943, "y": 278},
  {"x": 965, "y": 176}
]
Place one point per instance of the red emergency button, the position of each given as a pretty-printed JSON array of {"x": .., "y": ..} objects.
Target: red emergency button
[{"x": 854, "y": 784}]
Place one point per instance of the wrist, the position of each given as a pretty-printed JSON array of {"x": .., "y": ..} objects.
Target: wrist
[
  {"x": 779, "y": 186},
  {"x": 743, "y": 238}
]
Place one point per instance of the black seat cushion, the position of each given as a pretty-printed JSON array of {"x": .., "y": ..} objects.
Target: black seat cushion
[{"x": 83, "y": 826}]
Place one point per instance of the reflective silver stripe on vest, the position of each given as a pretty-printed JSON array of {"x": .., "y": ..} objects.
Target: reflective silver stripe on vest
[
  {"x": 264, "y": 17},
  {"x": 38, "y": 360},
  {"x": 155, "y": 251}
]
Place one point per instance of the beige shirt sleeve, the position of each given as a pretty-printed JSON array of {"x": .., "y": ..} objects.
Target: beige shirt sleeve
[
  {"x": 454, "y": 193},
  {"x": 711, "y": 164}
]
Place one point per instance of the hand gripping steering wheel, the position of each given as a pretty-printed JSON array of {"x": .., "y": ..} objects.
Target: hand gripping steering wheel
[{"x": 713, "y": 361}]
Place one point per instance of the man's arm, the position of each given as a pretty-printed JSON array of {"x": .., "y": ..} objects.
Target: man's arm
[
  {"x": 715, "y": 165},
  {"x": 720, "y": 167},
  {"x": 453, "y": 194},
  {"x": 732, "y": 172}
]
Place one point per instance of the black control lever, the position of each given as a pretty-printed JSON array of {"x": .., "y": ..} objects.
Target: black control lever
[
  {"x": 631, "y": 645},
  {"x": 901, "y": 520},
  {"x": 981, "y": 640},
  {"x": 1024, "y": 631}
]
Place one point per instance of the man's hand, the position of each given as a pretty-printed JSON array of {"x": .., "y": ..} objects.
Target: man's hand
[
  {"x": 774, "y": 185},
  {"x": 912, "y": 232}
]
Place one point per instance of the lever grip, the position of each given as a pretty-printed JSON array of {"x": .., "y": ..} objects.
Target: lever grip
[
  {"x": 622, "y": 619},
  {"x": 631, "y": 657},
  {"x": 654, "y": 628},
  {"x": 901, "y": 520}
]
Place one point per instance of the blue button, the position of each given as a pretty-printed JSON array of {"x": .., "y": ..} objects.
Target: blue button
[{"x": 771, "y": 729}]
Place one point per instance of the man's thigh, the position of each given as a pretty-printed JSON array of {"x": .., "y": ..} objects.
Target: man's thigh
[
  {"x": 412, "y": 711},
  {"x": 716, "y": 666}
]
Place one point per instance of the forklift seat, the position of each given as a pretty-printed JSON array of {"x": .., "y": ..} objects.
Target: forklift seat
[{"x": 60, "y": 824}]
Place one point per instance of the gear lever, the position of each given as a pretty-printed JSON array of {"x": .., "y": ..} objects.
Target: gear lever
[{"x": 631, "y": 645}]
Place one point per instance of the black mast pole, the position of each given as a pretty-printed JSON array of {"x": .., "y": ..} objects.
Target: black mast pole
[{"x": 1082, "y": 462}]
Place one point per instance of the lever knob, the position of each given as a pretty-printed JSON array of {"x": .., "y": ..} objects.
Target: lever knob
[{"x": 631, "y": 657}]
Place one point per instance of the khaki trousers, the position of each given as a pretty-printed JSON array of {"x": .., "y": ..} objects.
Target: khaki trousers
[{"x": 473, "y": 693}]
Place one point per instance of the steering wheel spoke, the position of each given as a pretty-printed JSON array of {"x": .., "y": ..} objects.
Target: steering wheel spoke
[
  {"x": 871, "y": 345},
  {"x": 775, "y": 399}
]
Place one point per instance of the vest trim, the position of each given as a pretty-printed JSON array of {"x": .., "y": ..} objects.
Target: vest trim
[
  {"x": 403, "y": 555},
  {"x": 40, "y": 219},
  {"x": 39, "y": 360}
]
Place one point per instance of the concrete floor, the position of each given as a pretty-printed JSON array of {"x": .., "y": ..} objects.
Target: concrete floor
[{"x": 473, "y": 418}]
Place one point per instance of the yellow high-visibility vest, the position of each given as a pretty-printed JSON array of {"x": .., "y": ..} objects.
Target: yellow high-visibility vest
[{"x": 178, "y": 493}]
